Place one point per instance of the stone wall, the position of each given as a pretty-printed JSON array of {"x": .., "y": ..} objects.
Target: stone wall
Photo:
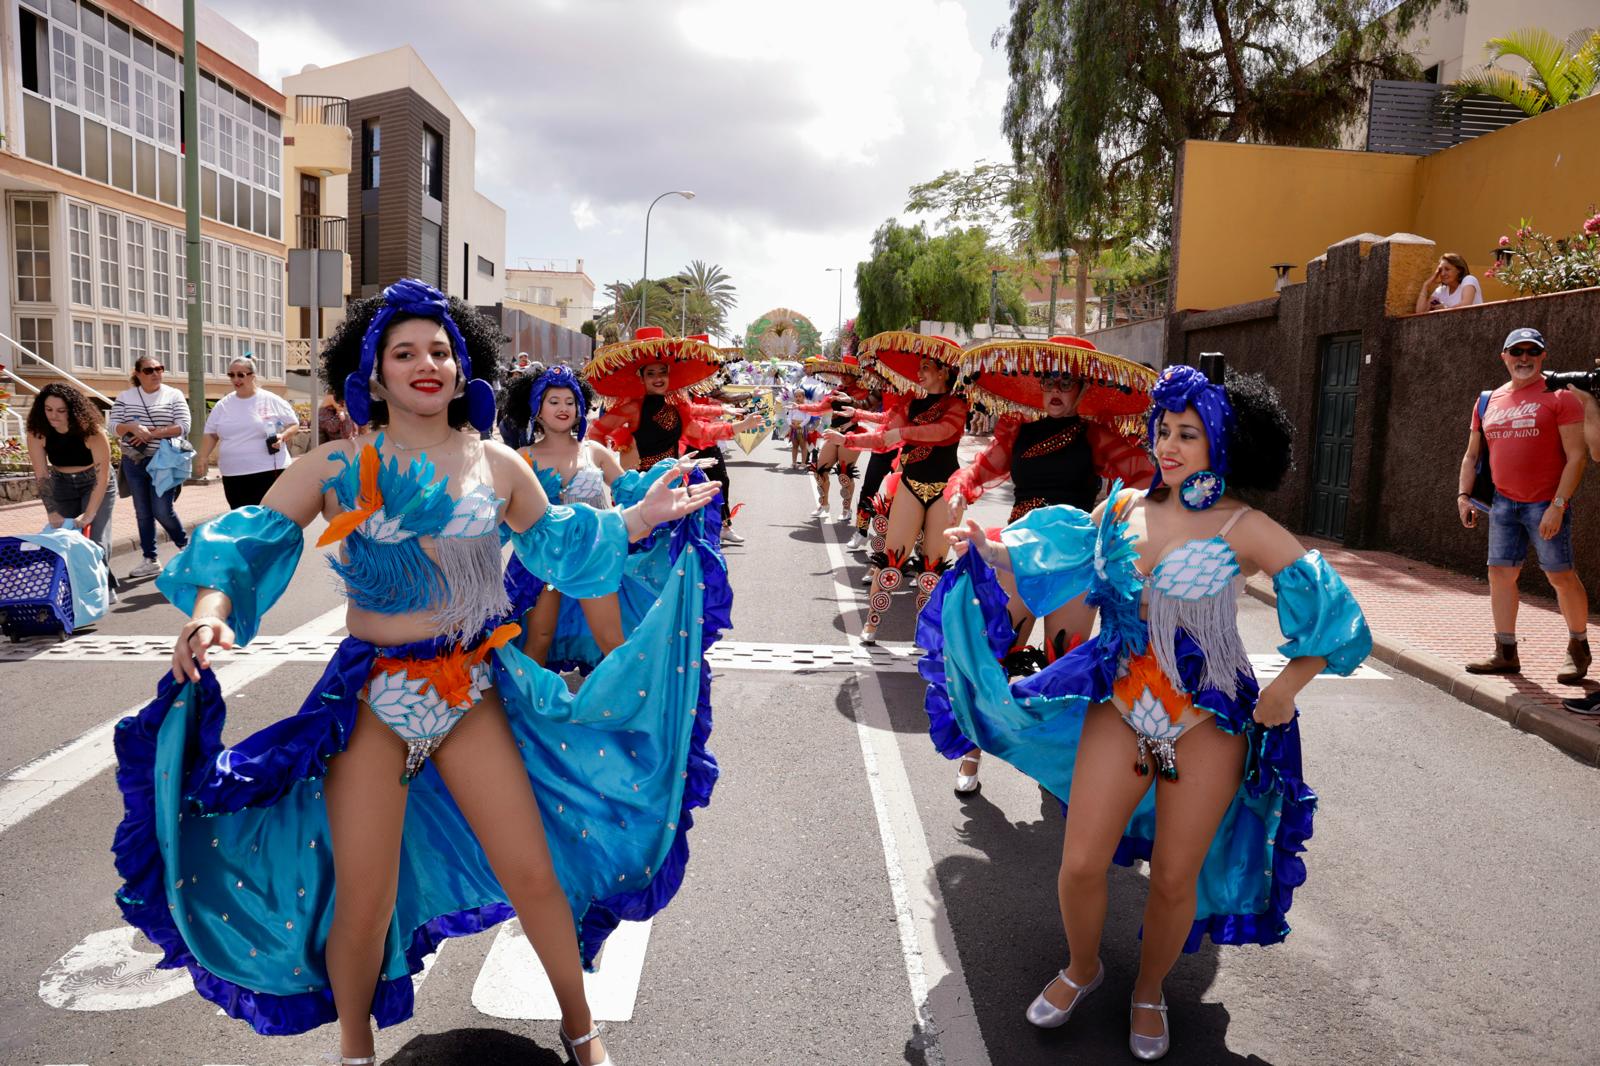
[{"x": 1419, "y": 377}]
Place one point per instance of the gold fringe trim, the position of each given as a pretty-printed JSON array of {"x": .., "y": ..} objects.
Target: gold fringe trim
[
  {"x": 614, "y": 357},
  {"x": 1041, "y": 357},
  {"x": 903, "y": 340}
]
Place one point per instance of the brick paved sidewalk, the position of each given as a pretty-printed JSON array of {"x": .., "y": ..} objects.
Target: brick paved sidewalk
[
  {"x": 1427, "y": 622},
  {"x": 195, "y": 504}
]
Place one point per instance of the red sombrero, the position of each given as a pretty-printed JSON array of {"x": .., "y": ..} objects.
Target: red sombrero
[
  {"x": 1003, "y": 375},
  {"x": 895, "y": 356},
  {"x": 840, "y": 370},
  {"x": 614, "y": 370}
]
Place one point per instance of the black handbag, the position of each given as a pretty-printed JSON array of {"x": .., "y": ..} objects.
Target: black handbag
[{"x": 1482, "y": 482}]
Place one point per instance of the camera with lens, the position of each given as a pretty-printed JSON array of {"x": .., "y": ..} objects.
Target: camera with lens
[{"x": 1587, "y": 380}]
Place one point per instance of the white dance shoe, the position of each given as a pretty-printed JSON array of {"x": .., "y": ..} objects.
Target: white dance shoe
[
  {"x": 856, "y": 542},
  {"x": 968, "y": 782},
  {"x": 1149, "y": 1048},
  {"x": 573, "y": 1044},
  {"x": 1047, "y": 1015},
  {"x": 820, "y": 512}
]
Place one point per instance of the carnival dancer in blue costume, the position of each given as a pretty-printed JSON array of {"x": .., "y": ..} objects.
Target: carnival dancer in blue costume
[
  {"x": 1164, "y": 684},
  {"x": 436, "y": 780}
]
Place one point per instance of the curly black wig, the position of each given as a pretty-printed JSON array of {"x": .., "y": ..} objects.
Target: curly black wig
[
  {"x": 1260, "y": 453},
  {"x": 341, "y": 356},
  {"x": 516, "y": 401},
  {"x": 82, "y": 418}
]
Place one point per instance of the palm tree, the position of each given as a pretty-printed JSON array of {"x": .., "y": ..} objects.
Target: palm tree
[
  {"x": 711, "y": 296},
  {"x": 1561, "y": 71}
]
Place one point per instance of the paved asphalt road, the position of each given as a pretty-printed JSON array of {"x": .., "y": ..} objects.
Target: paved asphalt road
[{"x": 841, "y": 899}]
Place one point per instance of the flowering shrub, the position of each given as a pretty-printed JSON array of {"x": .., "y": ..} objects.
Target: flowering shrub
[
  {"x": 1540, "y": 263},
  {"x": 14, "y": 456}
]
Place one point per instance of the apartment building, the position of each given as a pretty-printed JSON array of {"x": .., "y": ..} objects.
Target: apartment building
[
  {"x": 551, "y": 291},
  {"x": 410, "y": 198},
  {"x": 91, "y": 177}
]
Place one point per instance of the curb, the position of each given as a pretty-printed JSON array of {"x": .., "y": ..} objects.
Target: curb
[{"x": 1517, "y": 709}]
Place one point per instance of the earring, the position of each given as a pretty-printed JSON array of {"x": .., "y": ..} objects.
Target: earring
[{"x": 1200, "y": 491}]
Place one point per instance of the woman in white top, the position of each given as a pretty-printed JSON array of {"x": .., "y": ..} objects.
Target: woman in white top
[
  {"x": 250, "y": 430},
  {"x": 142, "y": 418},
  {"x": 1450, "y": 285}
]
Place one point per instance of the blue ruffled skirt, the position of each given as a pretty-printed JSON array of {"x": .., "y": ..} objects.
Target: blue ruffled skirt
[
  {"x": 225, "y": 856},
  {"x": 1249, "y": 876}
]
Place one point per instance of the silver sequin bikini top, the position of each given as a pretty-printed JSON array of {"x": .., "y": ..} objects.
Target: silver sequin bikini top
[{"x": 1194, "y": 587}]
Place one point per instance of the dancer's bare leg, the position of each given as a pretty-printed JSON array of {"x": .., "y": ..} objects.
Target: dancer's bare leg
[
  {"x": 604, "y": 615},
  {"x": 540, "y": 625}
]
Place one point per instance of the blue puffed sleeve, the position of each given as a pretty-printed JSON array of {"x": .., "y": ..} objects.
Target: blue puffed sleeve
[
  {"x": 630, "y": 488},
  {"x": 1052, "y": 555},
  {"x": 579, "y": 550},
  {"x": 1319, "y": 615},
  {"x": 249, "y": 553}
]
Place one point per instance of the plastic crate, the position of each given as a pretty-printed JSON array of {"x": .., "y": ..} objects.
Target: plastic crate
[{"x": 35, "y": 595}]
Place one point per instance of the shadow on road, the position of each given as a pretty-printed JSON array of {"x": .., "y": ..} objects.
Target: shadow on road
[{"x": 474, "y": 1047}]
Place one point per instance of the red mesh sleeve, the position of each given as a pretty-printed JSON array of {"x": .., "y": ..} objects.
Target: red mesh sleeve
[
  {"x": 947, "y": 430},
  {"x": 991, "y": 466},
  {"x": 1115, "y": 456},
  {"x": 615, "y": 427}
]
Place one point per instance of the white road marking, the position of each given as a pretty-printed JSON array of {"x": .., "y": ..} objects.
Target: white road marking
[
  {"x": 104, "y": 971},
  {"x": 48, "y": 778},
  {"x": 512, "y": 983},
  {"x": 939, "y": 994}
]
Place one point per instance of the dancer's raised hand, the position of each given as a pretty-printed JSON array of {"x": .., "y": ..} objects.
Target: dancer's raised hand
[
  {"x": 968, "y": 534},
  {"x": 667, "y": 499}
]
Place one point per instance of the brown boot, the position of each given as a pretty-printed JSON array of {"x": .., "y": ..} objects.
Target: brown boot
[
  {"x": 1577, "y": 662},
  {"x": 1504, "y": 661}
]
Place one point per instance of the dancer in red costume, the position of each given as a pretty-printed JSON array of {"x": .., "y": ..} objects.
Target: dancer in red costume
[
  {"x": 838, "y": 413},
  {"x": 1071, "y": 419}
]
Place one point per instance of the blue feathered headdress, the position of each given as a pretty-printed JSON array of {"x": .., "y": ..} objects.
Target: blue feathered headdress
[
  {"x": 558, "y": 377},
  {"x": 1185, "y": 386},
  {"x": 411, "y": 297}
]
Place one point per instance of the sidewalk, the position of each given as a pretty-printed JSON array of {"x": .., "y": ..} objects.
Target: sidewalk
[
  {"x": 1427, "y": 622},
  {"x": 195, "y": 504}
]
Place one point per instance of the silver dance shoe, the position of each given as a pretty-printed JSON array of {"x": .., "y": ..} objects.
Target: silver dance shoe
[
  {"x": 1149, "y": 1048},
  {"x": 966, "y": 782},
  {"x": 1047, "y": 1015},
  {"x": 572, "y": 1044}
]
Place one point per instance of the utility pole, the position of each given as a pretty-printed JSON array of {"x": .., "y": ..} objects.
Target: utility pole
[
  {"x": 994, "y": 296},
  {"x": 191, "y": 212},
  {"x": 1054, "y": 278}
]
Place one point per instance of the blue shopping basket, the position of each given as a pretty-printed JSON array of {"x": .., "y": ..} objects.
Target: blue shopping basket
[{"x": 35, "y": 596}]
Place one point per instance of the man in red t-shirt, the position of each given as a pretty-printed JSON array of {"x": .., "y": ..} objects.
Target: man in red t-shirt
[{"x": 1536, "y": 457}]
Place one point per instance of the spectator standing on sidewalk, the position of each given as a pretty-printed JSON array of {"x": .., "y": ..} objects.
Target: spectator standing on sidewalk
[
  {"x": 72, "y": 462},
  {"x": 1590, "y": 704},
  {"x": 142, "y": 417},
  {"x": 250, "y": 430},
  {"x": 1536, "y": 458}
]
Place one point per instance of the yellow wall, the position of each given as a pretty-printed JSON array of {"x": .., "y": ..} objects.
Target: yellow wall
[
  {"x": 1243, "y": 207},
  {"x": 1247, "y": 206}
]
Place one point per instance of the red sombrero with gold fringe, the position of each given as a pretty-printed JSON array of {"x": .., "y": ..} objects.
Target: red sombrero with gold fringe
[
  {"x": 848, "y": 368},
  {"x": 614, "y": 370},
  {"x": 1003, "y": 375},
  {"x": 896, "y": 354}
]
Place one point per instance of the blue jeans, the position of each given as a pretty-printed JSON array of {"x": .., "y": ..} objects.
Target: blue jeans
[
  {"x": 1513, "y": 526},
  {"x": 150, "y": 508}
]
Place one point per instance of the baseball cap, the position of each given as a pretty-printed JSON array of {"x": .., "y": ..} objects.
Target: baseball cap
[{"x": 1525, "y": 335}]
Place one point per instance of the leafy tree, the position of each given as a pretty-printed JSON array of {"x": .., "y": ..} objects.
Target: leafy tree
[
  {"x": 1560, "y": 72},
  {"x": 912, "y": 276},
  {"x": 1103, "y": 93}
]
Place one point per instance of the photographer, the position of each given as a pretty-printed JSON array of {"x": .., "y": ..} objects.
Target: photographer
[
  {"x": 142, "y": 417},
  {"x": 1536, "y": 457},
  {"x": 250, "y": 429}
]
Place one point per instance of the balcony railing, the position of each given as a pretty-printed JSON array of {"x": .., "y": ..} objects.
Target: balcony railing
[
  {"x": 322, "y": 111},
  {"x": 320, "y": 231},
  {"x": 1138, "y": 304}
]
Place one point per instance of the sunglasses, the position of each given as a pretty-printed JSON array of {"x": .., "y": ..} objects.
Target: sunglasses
[
  {"x": 151, "y": 369},
  {"x": 241, "y": 375},
  {"x": 1532, "y": 353}
]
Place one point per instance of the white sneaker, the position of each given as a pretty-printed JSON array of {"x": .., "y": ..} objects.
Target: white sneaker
[
  {"x": 730, "y": 537},
  {"x": 148, "y": 568}
]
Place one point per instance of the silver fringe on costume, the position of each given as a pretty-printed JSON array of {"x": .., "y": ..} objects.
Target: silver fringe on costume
[
  {"x": 474, "y": 578},
  {"x": 1213, "y": 623}
]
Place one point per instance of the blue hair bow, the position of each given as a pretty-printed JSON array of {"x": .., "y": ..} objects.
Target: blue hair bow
[
  {"x": 1182, "y": 386},
  {"x": 411, "y": 297},
  {"x": 559, "y": 377}
]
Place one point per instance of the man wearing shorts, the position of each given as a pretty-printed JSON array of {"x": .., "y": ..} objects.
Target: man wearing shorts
[{"x": 1536, "y": 458}]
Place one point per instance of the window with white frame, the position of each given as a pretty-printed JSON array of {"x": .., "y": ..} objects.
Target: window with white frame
[
  {"x": 162, "y": 341},
  {"x": 110, "y": 261},
  {"x": 223, "y": 254},
  {"x": 180, "y": 277},
  {"x": 64, "y": 65},
  {"x": 224, "y": 354},
  {"x": 82, "y": 344},
  {"x": 134, "y": 230},
  {"x": 167, "y": 113},
  {"x": 80, "y": 254},
  {"x": 160, "y": 271},
  {"x": 180, "y": 351},
  {"x": 121, "y": 95},
  {"x": 30, "y": 236},
  {"x": 277, "y": 360},
  {"x": 208, "y": 121},
  {"x": 94, "y": 79},
  {"x": 259, "y": 319},
  {"x": 111, "y": 345},
  {"x": 225, "y": 139},
  {"x": 210, "y": 341},
  {"x": 144, "y": 102},
  {"x": 241, "y": 288},
  {"x": 138, "y": 345},
  {"x": 275, "y": 302},
  {"x": 38, "y": 335},
  {"x": 209, "y": 294}
]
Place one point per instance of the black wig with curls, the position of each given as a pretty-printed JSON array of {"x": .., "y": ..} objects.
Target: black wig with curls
[
  {"x": 83, "y": 420},
  {"x": 1260, "y": 453},
  {"x": 341, "y": 356}
]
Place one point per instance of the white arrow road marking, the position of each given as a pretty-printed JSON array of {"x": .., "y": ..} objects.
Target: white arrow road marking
[
  {"x": 512, "y": 983},
  {"x": 40, "y": 783},
  {"x": 104, "y": 971}
]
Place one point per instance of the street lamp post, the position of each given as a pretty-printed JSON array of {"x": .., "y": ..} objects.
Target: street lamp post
[
  {"x": 644, "y": 282},
  {"x": 840, "y": 334}
]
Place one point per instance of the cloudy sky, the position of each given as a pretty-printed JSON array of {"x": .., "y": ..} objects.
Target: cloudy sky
[{"x": 799, "y": 126}]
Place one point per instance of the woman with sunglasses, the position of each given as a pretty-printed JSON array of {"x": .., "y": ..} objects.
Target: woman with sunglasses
[
  {"x": 142, "y": 417},
  {"x": 250, "y": 430}
]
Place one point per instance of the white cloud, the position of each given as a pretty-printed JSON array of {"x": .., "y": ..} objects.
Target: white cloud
[{"x": 583, "y": 215}]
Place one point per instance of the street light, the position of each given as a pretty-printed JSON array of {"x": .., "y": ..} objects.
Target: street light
[
  {"x": 644, "y": 282},
  {"x": 840, "y": 272}
]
